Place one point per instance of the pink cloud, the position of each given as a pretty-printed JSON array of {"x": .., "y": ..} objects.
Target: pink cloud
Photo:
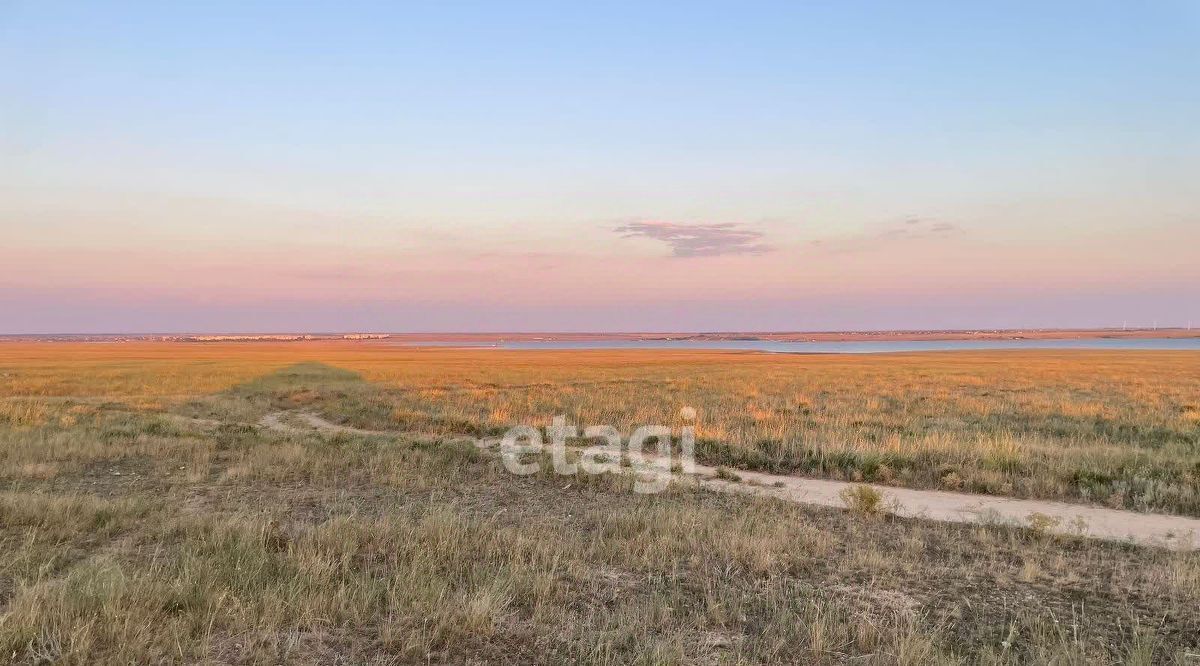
[{"x": 699, "y": 240}]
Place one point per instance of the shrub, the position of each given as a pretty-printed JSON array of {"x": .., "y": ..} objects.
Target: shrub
[
  {"x": 863, "y": 500},
  {"x": 1041, "y": 524}
]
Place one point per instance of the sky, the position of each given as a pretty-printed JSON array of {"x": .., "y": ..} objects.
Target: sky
[{"x": 645, "y": 166}]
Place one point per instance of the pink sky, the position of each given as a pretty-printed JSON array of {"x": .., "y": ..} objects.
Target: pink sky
[{"x": 85, "y": 268}]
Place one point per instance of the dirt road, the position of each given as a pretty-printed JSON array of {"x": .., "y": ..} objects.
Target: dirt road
[{"x": 1177, "y": 532}]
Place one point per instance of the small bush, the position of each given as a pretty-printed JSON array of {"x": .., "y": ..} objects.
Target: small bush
[
  {"x": 863, "y": 500},
  {"x": 726, "y": 475},
  {"x": 1041, "y": 524}
]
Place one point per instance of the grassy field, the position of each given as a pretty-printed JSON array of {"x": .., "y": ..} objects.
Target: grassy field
[
  {"x": 1121, "y": 429},
  {"x": 1118, "y": 428},
  {"x": 144, "y": 517}
]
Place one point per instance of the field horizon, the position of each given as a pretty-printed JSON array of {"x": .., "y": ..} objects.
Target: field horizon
[{"x": 1051, "y": 333}]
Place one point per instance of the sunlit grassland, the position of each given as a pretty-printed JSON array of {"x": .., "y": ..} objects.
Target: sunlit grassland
[
  {"x": 1117, "y": 427},
  {"x": 154, "y": 374},
  {"x": 135, "y": 533},
  {"x": 1121, "y": 428}
]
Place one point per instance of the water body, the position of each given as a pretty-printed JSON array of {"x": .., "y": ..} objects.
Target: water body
[{"x": 852, "y": 346}]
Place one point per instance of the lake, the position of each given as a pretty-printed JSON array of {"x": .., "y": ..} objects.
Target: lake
[{"x": 849, "y": 346}]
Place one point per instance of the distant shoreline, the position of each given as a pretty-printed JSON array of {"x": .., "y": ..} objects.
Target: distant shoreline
[{"x": 775, "y": 336}]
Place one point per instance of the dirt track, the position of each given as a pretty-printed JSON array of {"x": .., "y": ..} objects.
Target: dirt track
[{"x": 1177, "y": 532}]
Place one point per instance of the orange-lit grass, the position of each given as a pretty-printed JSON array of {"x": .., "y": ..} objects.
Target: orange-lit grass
[{"x": 1120, "y": 427}]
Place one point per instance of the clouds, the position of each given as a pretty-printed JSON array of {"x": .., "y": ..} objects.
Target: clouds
[
  {"x": 917, "y": 227},
  {"x": 907, "y": 230},
  {"x": 731, "y": 238},
  {"x": 699, "y": 240}
]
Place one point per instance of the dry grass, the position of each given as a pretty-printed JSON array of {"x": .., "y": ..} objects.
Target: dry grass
[
  {"x": 128, "y": 535},
  {"x": 1118, "y": 428}
]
